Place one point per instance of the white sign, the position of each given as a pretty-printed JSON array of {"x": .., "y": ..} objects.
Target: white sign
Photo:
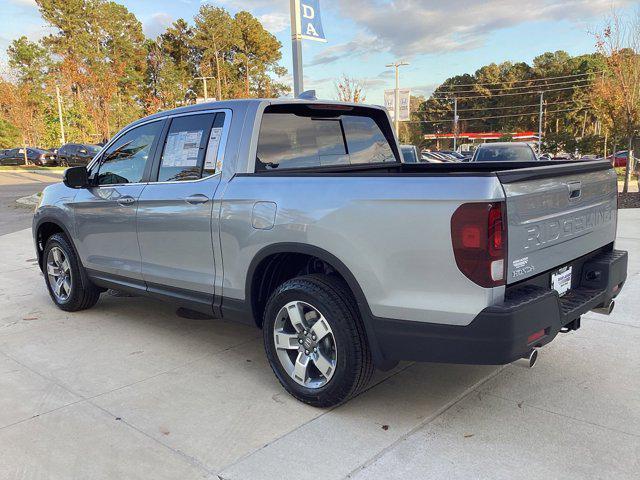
[
  {"x": 211, "y": 160},
  {"x": 182, "y": 149},
  {"x": 405, "y": 103}
]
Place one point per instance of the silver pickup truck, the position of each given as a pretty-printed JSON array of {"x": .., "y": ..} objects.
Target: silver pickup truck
[{"x": 300, "y": 217}]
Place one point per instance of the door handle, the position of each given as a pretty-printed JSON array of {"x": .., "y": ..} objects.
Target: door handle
[
  {"x": 126, "y": 201},
  {"x": 197, "y": 199}
]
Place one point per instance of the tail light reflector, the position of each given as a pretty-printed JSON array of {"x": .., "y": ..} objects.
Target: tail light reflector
[{"x": 479, "y": 237}]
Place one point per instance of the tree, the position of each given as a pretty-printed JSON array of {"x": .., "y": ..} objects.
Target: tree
[
  {"x": 257, "y": 50},
  {"x": 102, "y": 54},
  {"x": 349, "y": 89},
  {"x": 216, "y": 36},
  {"x": 617, "y": 92}
]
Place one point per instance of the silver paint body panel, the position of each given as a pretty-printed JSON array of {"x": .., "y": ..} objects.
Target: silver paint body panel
[{"x": 391, "y": 231}]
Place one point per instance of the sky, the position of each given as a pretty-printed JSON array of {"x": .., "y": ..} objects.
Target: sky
[{"x": 439, "y": 38}]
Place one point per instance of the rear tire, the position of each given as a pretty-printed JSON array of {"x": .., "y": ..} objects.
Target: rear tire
[
  {"x": 339, "y": 365},
  {"x": 67, "y": 282}
]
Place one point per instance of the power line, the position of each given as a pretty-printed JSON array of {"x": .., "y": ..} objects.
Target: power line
[
  {"x": 530, "y": 80},
  {"x": 498, "y": 108},
  {"x": 533, "y": 92},
  {"x": 502, "y": 116},
  {"x": 515, "y": 88}
]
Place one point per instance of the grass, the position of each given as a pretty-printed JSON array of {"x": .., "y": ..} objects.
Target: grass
[{"x": 31, "y": 167}]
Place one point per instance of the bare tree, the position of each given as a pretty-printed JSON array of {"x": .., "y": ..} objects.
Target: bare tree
[
  {"x": 617, "y": 92},
  {"x": 350, "y": 89}
]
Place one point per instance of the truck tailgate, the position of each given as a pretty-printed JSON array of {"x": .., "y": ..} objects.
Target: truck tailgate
[{"x": 556, "y": 214}]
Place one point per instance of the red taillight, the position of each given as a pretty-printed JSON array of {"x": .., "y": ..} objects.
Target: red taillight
[{"x": 479, "y": 241}]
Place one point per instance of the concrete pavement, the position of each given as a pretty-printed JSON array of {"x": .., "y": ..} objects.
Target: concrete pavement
[
  {"x": 130, "y": 390},
  {"x": 17, "y": 184}
]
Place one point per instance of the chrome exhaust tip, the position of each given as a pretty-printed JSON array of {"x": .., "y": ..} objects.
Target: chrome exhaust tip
[
  {"x": 605, "y": 309},
  {"x": 529, "y": 360}
]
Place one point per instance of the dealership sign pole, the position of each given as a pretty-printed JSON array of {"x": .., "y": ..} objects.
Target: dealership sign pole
[{"x": 306, "y": 24}]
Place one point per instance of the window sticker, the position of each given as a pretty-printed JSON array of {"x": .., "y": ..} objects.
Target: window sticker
[
  {"x": 210, "y": 162},
  {"x": 182, "y": 149}
]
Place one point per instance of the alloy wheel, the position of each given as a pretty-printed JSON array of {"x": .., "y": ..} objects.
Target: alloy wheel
[
  {"x": 305, "y": 344},
  {"x": 59, "y": 274}
]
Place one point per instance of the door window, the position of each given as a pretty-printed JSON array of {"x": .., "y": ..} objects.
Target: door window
[
  {"x": 125, "y": 160},
  {"x": 190, "y": 148}
]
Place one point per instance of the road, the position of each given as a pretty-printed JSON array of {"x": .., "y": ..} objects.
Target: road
[
  {"x": 130, "y": 390},
  {"x": 14, "y": 185}
]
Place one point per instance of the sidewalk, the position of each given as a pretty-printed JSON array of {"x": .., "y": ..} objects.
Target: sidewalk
[{"x": 130, "y": 390}]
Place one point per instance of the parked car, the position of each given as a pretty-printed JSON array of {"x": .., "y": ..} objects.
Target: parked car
[
  {"x": 410, "y": 153},
  {"x": 620, "y": 158},
  {"x": 455, "y": 155},
  {"x": 75, "y": 154},
  {"x": 431, "y": 158},
  {"x": 504, "y": 152},
  {"x": 299, "y": 217},
  {"x": 441, "y": 156},
  {"x": 35, "y": 156}
]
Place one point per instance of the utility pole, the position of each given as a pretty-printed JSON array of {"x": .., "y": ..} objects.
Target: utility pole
[
  {"x": 396, "y": 108},
  {"x": 455, "y": 124},
  {"x": 540, "y": 124},
  {"x": 204, "y": 80},
  {"x": 296, "y": 47},
  {"x": 62, "y": 138}
]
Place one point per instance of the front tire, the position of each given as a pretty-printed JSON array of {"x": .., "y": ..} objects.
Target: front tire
[
  {"x": 66, "y": 280},
  {"x": 315, "y": 341}
]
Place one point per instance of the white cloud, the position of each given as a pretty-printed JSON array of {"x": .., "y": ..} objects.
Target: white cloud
[
  {"x": 409, "y": 27},
  {"x": 275, "y": 22},
  {"x": 156, "y": 24},
  {"x": 24, "y": 3},
  {"x": 361, "y": 45}
]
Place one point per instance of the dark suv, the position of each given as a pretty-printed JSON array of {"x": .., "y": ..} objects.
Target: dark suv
[{"x": 76, "y": 154}]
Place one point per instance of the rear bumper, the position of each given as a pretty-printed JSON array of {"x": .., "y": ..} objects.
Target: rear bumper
[{"x": 500, "y": 333}]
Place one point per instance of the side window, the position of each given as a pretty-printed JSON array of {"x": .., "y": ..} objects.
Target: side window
[
  {"x": 125, "y": 160},
  {"x": 288, "y": 140},
  {"x": 191, "y": 147},
  {"x": 366, "y": 141}
]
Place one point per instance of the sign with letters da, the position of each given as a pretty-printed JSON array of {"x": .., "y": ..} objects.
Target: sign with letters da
[{"x": 310, "y": 26}]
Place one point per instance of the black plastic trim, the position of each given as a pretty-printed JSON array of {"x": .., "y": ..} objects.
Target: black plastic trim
[
  {"x": 338, "y": 266},
  {"x": 499, "y": 334},
  {"x": 548, "y": 171}
]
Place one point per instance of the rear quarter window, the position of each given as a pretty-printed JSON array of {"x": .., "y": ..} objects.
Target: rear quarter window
[{"x": 304, "y": 138}]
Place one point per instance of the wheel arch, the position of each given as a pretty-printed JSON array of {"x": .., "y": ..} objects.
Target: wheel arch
[
  {"x": 263, "y": 262},
  {"x": 44, "y": 229}
]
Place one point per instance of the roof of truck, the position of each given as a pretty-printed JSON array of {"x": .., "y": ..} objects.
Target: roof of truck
[{"x": 248, "y": 103}]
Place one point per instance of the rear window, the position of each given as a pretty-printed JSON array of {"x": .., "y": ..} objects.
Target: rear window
[
  {"x": 303, "y": 140},
  {"x": 505, "y": 153}
]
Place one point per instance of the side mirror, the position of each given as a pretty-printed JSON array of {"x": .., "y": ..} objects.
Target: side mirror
[{"x": 76, "y": 177}]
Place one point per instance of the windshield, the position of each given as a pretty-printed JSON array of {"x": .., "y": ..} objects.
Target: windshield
[
  {"x": 93, "y": 149},
  {"x": 505, "y": 153}
]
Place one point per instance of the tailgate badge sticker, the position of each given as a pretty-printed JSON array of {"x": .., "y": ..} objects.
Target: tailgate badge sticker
[{"x": 521, "y": 267}]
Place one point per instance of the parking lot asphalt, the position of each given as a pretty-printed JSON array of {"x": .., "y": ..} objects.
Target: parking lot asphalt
[{"x": 130, "y": 390}]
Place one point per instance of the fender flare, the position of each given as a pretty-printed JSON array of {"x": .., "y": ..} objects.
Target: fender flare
[
  {"x": 58, "y": 223},
  {"x": 361, "y": 302}
]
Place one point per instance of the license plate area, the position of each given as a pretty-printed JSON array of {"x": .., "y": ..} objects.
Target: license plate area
[{"x": 561, "y": 280}]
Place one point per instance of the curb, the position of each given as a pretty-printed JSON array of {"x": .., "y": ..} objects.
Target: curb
[{"x": 29, "y": 201}]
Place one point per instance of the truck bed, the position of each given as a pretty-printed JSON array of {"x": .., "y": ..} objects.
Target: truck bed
[{"x": 508, "y": 172}]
